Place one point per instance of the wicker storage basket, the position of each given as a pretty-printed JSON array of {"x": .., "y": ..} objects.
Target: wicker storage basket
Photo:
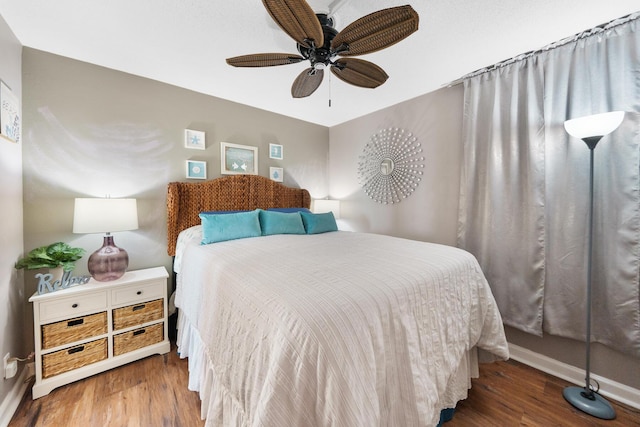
[
  {"x": 72, "y": 330},
  {"x": 138, "y": 314},
  {"x": 73, "y": 358},
  {"x": 138, "y": 338}
]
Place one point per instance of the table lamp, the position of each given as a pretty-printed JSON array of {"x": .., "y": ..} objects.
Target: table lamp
[{"x": 106, "y": 216}]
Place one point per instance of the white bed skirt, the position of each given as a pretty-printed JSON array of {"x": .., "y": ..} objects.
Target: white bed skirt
[{"x": 219, "y": 409}]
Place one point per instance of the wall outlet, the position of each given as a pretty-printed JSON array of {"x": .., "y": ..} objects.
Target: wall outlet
[{"x": 10, "y": 366}]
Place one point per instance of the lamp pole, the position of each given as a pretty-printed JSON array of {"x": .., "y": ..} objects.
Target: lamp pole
[{"x": 591, "y": 129}]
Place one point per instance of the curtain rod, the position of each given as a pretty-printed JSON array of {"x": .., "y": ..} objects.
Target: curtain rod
[{"x": 584, "y": 34}]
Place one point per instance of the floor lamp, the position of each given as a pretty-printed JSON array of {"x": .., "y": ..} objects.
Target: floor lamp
[{"x": 591, "y": 129}]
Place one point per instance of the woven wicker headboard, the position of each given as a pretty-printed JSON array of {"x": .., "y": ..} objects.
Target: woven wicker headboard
[{"x": 185, "y": 200}]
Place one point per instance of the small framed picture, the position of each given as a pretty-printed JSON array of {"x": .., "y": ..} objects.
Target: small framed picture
[
  {"x": 275, "y": 151},
  {"x": 196, "y": 169},
  {"x": 276, "y": 174},
  {"x": 238, "y": 159},
  {"x": 10, "y": 117},
  {"x": 194, "y": 139}
]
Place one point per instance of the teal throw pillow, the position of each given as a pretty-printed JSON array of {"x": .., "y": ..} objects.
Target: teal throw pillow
[
  {"x": 319, "y": 223},
  {"x": 274, "y": 222},
  {"x": 231, "y": 226}
]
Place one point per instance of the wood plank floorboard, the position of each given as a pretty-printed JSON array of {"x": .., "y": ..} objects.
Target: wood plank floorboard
[{"x": 153, "y": 392}]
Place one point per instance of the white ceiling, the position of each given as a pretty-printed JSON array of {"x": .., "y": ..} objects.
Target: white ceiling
[{"x": 185, "y": 43}]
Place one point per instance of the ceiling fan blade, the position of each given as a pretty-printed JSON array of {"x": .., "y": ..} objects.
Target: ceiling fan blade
[
  {"x": 297, "y": 19},
  {"x": 306, "y": 83},
  {"x": 359, "y": 72},
  {"x": 264, "y": 60},
  {"x": 376, "y": 31}
]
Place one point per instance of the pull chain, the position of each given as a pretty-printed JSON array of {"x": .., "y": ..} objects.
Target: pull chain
[{"x": 330, "y": 88}]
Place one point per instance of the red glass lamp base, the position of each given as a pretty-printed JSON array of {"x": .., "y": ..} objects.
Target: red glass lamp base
[{"x": 109, "y": 262}]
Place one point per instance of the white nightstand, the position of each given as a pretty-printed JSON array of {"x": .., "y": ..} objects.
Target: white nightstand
[{"x": 87, "y": 329}]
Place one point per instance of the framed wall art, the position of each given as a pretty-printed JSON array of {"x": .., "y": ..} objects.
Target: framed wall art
[
  {"x": 194, "y": 139},
  {"x": 275, "y": 151},
  {"x": 276, "y": 174},
  {"x": 10, "y": 120},
  {"x": 196, "y": 169},
  {"x": 238, "y": 159}
]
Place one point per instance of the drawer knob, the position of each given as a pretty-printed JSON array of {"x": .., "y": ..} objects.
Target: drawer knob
[
  {"x": 139, "y": 293},
  {"x": 75, "y": 305},
  {"x": 139, "y": 332}
]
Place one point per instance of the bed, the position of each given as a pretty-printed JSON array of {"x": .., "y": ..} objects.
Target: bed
[{"x": 329, "y": 329}]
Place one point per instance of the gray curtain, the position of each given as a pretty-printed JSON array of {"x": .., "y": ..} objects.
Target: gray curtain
[{"x": 524, "y": 191}]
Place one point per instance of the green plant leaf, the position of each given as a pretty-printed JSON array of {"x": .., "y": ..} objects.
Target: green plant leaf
[{"x": 57, "y": 254}]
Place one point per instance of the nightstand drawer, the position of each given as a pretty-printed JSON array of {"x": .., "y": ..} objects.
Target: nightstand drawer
[
  {"x": 65, "y": 308},
  {"x": 73, "y": 358},
  {"x": 133, "y": 340},
  {"x": 137, "y": 314},
  {"x": 72, "y": 330},
  {"x": 143, "y": 292}
]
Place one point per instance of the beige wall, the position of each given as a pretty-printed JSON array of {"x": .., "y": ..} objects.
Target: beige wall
[
  {"x": 11, "y": 284},
  {"x": 92, "y": 131},
  {"x": 430, "y": 213}
]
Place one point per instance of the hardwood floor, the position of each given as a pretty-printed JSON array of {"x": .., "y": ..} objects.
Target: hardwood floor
[
  {"x": 153, "y": 392},
  {"x": 512, "y": 394},
  {"x": 150, "y": 392}
]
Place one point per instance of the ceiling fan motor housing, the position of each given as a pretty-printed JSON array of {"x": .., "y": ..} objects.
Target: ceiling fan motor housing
[{"x": 320, "y": 57}]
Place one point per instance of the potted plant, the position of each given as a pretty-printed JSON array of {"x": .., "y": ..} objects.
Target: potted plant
[{"x": 57, "y": 255}]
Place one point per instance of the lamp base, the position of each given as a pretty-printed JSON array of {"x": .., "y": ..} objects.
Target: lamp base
[
  {"x": 109, "y": 262},
  {"x": 590, "y": 403}
]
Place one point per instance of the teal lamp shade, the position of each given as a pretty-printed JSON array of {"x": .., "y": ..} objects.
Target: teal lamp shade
[{"x": 106, "y": 216}]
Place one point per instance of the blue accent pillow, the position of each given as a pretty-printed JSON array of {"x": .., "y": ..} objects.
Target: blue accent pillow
[
  {"x": 289, "y": 210},
  {"x": 229, "y": 226},
  {"x": 319, "y": 223},
  {"x": 275, "y": 222}
]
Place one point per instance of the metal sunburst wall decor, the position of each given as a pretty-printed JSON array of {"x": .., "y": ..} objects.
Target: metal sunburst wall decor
[{"x": 391, "y": 166}]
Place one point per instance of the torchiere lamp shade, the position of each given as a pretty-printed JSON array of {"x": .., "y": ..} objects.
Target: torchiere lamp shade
[
  {"x": 105, "y": 216},
  {"x": 594, "y": 125}
]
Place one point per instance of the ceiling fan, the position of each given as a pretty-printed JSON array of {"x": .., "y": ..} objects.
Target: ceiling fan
[{"x": 320, "y": 44}]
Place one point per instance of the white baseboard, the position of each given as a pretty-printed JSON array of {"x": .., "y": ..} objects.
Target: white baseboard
[
  {"x": 614, "y": 390},
  {"x": 12, "y": 400}
]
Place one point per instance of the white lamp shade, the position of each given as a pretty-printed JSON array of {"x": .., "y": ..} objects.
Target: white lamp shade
[
  {"x": 326, "y": 205},
  {"x": 594, "y": 125},
  {"x": 104, "y": 215}
]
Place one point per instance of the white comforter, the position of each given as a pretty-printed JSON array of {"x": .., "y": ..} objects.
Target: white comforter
[{"x": 337, "y": 329}]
